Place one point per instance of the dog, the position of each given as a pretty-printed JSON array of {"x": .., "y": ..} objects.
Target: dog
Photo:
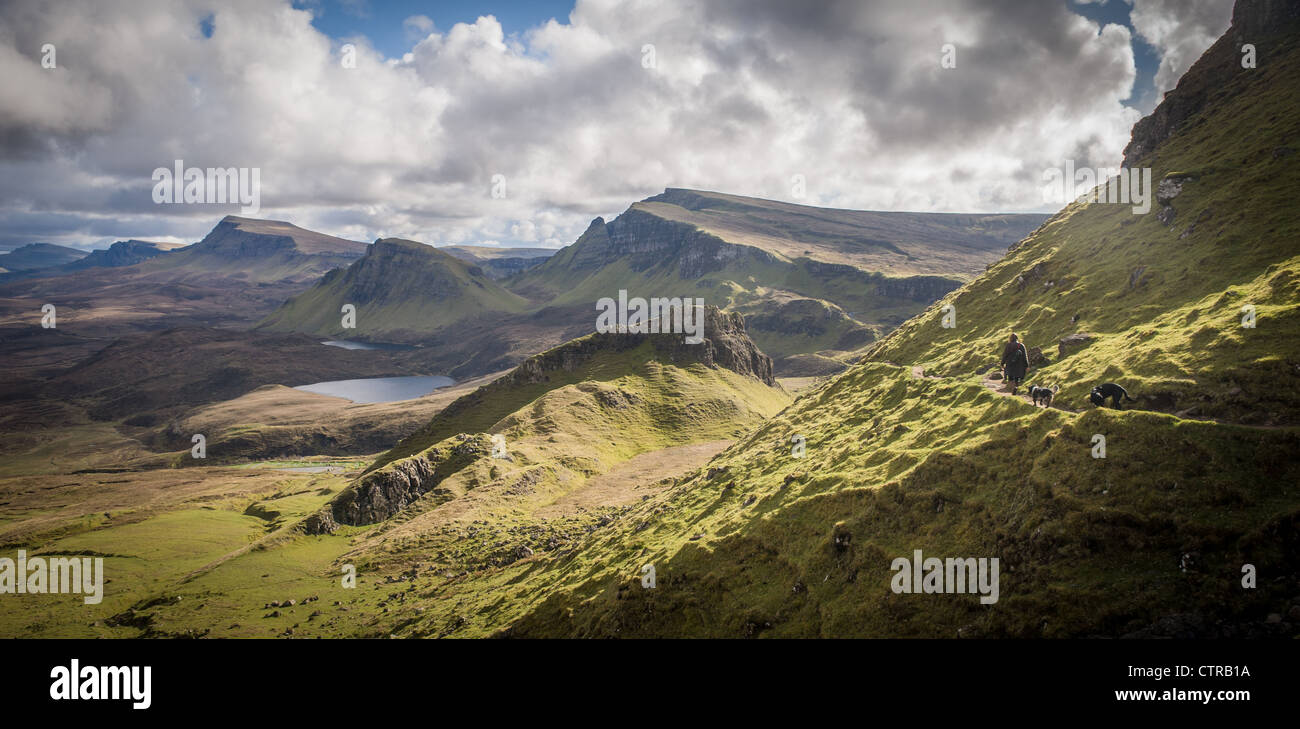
[
  {"x": 1108, "y": 390},
  {"x": 1043, "y": 395}
]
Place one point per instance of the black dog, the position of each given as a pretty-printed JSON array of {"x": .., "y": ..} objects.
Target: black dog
[
  {"x": 1108, "y": 390},
  {"x": 1043, "y": 395}
]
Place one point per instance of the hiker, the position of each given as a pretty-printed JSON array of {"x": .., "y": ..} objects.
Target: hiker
[{"x": 1015, "y": 362}]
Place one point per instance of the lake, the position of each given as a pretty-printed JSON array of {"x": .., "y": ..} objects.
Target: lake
[
  {"x": 345, "y": 344},
  {"x": 380, "y": 389}
]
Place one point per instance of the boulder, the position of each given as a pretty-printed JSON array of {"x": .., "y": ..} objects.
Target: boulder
[{"x": 1070, "y": 342}]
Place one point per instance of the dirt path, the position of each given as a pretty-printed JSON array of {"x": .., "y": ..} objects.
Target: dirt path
[
  {"x": 997, "y": 386},
  {"x": 634, "y": 478}
]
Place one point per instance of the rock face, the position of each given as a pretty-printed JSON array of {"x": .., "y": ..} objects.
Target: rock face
[
  {"x": 647, "y": 240},
  {"x": 1252, "y": 22},
  {"x": 380, "y": 494},
  {"x": 264, "y": 250},
  {"x": 121, "y": 253},
  {"x": 499, "y": 263}
]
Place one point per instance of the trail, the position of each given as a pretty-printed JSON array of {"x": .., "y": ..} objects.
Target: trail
[{"x": 999, "y": 387}]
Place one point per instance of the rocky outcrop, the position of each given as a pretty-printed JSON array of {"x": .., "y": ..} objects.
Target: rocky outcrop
[
  {"x": 267, "y": 250},
  {"x": 726, "y": 344},
  {"x": 921, "y": 289},
  {"x": 647, "y": 241},
  {"x": 1212, "y": 76},
  {"x": 121, "y": 253},
  {"x": 500, "y": 263},
  {"x": 380, "y": 494}
]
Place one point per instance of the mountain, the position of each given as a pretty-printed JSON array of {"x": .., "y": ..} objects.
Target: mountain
[
  {"x": 240, "y": 272},
  {"x": 917, "y": 448},
  {"x": 499, "y": 263},
  {"x": 403, "y": 292},
  {"x": 566, "y": 416},
  {"x": 33, "y": 257},
  {"x": 262, "y": 251},
  {"x": 807, "y": 279},
  {"x": 121, "y": 253},
  {"x": 813, "y": 283},
  {"x": 794, "y": 529}
]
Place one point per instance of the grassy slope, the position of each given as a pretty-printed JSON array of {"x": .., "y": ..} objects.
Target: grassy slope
[
  {"x": 1155, "y": 534},
  {"x": 437, "y": 289},
  {"x": 746, "y": 285},
  {"x": 558, "y": 441},
  {"x": 1175, "y": 338}
]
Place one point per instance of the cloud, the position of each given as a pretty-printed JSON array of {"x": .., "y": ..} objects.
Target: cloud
[
  {"x": 417, "y": 26},
  {"x": 742, "y": 96},
  {"x": 1180, "y": 30}
]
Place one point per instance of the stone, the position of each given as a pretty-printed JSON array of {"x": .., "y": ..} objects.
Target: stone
[{"x": 1070, "y": 342}]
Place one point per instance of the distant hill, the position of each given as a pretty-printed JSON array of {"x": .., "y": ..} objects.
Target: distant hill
[
  {"x": 807, "y": 279},
  {"x": 894, "y": 243},
  {"x": 121, "y": 253},
  {"x": 262, "y": 251},
  {"x": 500, "y": 263},
  {"x": 403, "y": 291},
  {"x": 241, "y": 271},
  {"x": 33, "y": 257},
  {"x": 813, "y": 283}
]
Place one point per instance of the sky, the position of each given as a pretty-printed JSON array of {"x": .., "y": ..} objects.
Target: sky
[{"x": 516, "y": 123}]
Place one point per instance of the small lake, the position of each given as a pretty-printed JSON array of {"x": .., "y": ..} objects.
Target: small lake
[
  {"x": 380, "y": 389},
  {"x": 345, "y": 344}
]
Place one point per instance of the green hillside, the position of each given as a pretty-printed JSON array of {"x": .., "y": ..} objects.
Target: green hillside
[
  {"x": 623, "y": 456},
  {"x": 915, "y": 449},
  {"x": 807, "y": 279},
  {"x": 615, "y": 419},
  {"x": 402, "y": 291}
]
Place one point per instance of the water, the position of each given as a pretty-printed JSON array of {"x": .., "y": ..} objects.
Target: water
[
  {"x": 345, "y": 344},
  {"x": 380, "y": 389},
  {"x": 310, "y": 469}
]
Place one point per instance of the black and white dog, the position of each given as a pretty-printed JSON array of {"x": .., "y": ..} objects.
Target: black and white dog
[
  {"x": 1043, "y": 395},
  {"x": 1108, "y": 390}
]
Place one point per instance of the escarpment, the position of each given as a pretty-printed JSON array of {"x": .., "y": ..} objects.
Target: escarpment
[{"x": 381, "y": 494}]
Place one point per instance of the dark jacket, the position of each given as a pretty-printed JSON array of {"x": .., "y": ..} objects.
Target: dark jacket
[{"x": 1016, "y": 360}]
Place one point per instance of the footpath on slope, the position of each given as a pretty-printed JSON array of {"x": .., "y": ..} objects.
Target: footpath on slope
[{"x": 999, "y": 387}]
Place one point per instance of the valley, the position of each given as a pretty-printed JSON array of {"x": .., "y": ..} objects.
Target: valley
[{"x": 408, "y": 441}]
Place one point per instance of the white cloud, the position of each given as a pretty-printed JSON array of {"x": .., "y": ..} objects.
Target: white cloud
[
  {"x": 745, "y": 95},
  {"x": 1180, "y": 30}
]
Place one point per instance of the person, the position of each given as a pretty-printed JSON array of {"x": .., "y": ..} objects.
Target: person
[{"x": 1015, "y": 362}]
